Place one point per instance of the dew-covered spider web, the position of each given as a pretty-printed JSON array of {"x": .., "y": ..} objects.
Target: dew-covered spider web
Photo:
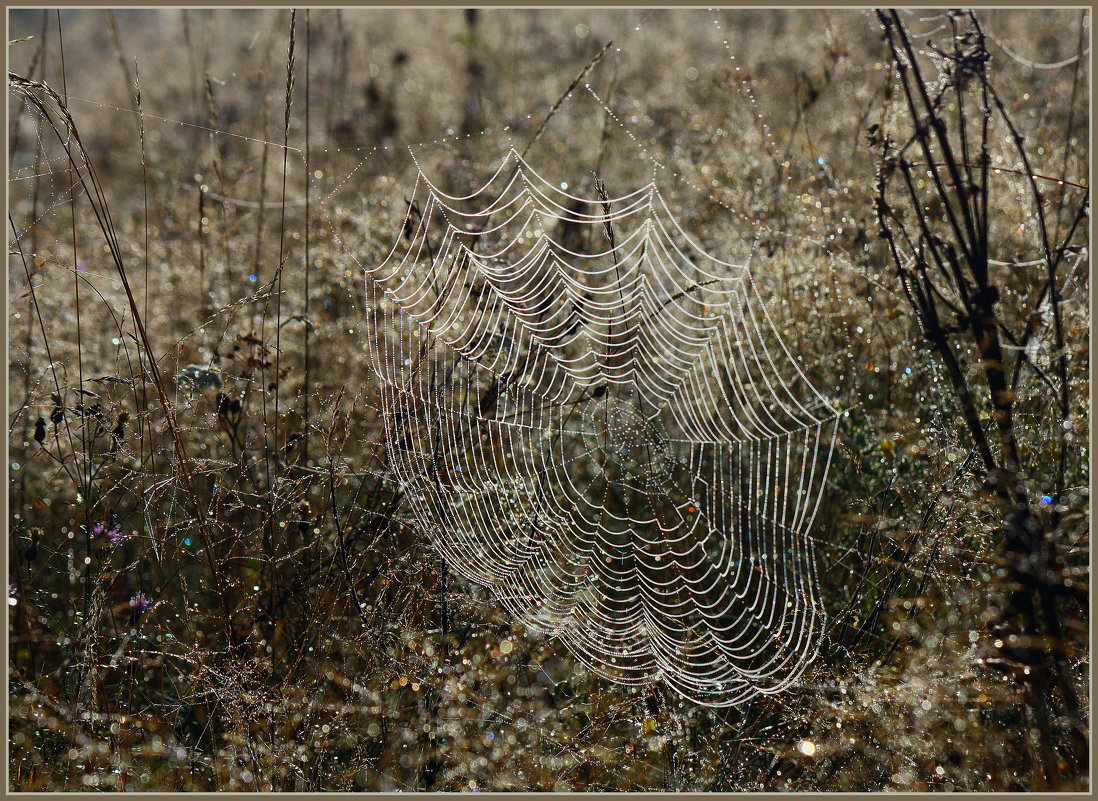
[{"x": 598, "y": 421}]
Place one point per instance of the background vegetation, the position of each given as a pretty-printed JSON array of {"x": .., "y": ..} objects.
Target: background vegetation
[{"x": 211, "y": 587}]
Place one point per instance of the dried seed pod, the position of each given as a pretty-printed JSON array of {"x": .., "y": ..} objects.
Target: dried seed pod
[
  {"x": 31, "y": 552},
  {"x": 228, "y": 409},
  {"x": 118, "y": 435}
]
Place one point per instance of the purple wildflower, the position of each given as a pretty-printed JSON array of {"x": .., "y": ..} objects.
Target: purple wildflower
[
  {"x": 140, "y": 603},
  {"x": 112, "y": 536}
]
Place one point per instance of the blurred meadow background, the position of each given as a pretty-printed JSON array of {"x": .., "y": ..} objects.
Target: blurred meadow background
[{"x": 212, "y": 586}]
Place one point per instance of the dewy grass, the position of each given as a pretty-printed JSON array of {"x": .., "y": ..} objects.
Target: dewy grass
[{"x": 224, "y": 572}]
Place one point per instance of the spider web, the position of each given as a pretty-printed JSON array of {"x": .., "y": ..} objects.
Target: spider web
[{"x": 598, "y": 421}]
